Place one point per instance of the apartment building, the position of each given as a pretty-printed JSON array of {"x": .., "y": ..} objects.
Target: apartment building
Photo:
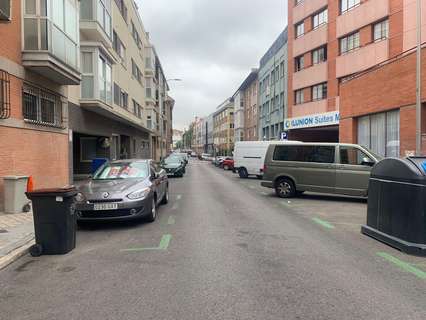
[
  {"x": 198, "y": 137},
  {"x": 250, "y": 88},
  {"x": 238, "y": 98},
  {"x": 39, "y": 58},
  {"x": 330, "y": 41},
  {"x": 209, "y": 132},
  {"x": 106, "y": 114},
  {"x": 168, "y": 123},
  {"x": 272, "y": 94},
  {"x": 377, "y": 106},
  {"x": 223, "y": 128}
]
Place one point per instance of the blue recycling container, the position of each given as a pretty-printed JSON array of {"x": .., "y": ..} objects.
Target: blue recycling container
[{"x": 97, "y": 163}]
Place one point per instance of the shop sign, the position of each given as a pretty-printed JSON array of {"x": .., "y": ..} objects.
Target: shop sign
[{"x": 315, "y": 120}]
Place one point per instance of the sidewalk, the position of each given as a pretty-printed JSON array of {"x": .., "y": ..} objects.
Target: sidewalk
[{"x": 16, "y": 236}]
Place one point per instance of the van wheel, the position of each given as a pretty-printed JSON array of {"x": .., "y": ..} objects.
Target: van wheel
[
  {"x": 260, "y": 177},
  {"x": 284, "y": 188},
  {"x": 243, "y": 173}
]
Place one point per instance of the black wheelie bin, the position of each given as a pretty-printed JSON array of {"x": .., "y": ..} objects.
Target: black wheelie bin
[
  {"x": 396, "y": 213},
  {"x": 54, "y": 220}
]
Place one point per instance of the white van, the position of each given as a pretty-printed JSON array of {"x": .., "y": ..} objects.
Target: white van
[{"x": 249, "y": 157}]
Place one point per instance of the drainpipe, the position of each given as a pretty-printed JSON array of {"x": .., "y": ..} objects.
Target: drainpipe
[{"x": 418, "y": 81}]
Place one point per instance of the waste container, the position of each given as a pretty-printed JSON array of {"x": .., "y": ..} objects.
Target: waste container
[
  {"x": 396, "y": 213},
  {"x": 54, "y": 220},
  {"x": 14, "y": 193},
  {"x": 97, "y": 163}
]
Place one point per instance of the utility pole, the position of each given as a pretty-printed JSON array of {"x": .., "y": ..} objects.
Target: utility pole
[{"x": 419, "y": 81}]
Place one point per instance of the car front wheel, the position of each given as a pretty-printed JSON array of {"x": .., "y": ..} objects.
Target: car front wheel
[
  {"x": 284, "y": 188},
  {"x": 153, "y": 214},
  {"x": 165, "y": 199}
]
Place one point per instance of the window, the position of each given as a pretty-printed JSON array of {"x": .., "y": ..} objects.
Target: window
[
  {"x": 104, "y": 16},
  {"x": 137, "y": 109},
  {"x": 282, "y": 69},
  {"x": 41, "y": 107},
  {"x": 319, "y": 55},
  {"x": 122, "y": 8},
  {"x": 117, "y": 93},
  {"x": 380, "y": 133},
  {"x": 136, "y": 72},
  {"x": 124, "y": 97},
  {"x": 317, "y": 154},
  {"x": 88, "y": 76},
  {"x": 320, "y": 19},
  {"x": 346, "y": 5},
  {"x": 353, "y": 156},
  {"x": 136, "y": 36},
  {"x": 277, "y": 73},
  {"x": 119, "y": 47},
  {"x": 349, "y": 43},
  {"x": 299, "y": 96},
  {"x": 105, "y": 80},
  {"x": 299, "y": 63},
  {"x": 381, "y": 30},
  {"x": 300, "y": 29},
  {"x": 282, "y": 99},
  {"x": 319, "y": 91},
  {"x": 5, "y": 9},
  {"x": 4, "y": 95}
]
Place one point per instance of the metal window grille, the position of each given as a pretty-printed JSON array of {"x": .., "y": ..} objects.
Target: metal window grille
[
  {"x": 41, "y": 107},
  {"x": 4, "y": 95}
]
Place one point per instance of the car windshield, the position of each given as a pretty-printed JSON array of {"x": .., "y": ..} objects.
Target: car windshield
[
  {"x": 125, "y": 170},
  {"x": 172, "y": 160}
]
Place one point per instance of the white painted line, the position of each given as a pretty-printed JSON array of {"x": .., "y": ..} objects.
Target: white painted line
[{"x": 178, "y": 197}]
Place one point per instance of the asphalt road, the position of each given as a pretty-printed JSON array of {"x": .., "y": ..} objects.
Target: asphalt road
[{"x": 223, "y": 248}]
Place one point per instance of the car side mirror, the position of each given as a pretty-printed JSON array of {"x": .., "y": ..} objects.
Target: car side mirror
[{"x": 367, "y": 162}]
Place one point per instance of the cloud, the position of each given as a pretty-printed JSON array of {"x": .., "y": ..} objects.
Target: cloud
[{"x": 210, "y": 44}]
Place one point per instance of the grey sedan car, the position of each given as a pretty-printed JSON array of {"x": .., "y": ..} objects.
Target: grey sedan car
[{"x": 123, "y": 190}]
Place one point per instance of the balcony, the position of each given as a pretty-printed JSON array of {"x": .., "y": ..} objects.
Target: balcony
[
  {"x": 310, "y": 40},
  {"x": 309, "y": 108},
  {"x": 365, "y": 14},
  {"x": 362, "y": 59},
  {"x": 95, "y": 22},
  {"x": 310, "y": 76},
  {"x": 50, "y": 50},
  {"x": 307, "y": 8}
]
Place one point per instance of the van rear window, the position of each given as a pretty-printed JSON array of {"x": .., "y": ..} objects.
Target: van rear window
[{"x": 317, "y": 154}]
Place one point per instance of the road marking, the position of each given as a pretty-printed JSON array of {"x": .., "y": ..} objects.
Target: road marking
[
  {"x": 323, "y": 223},
  {"x": 178, "y": 197},
  {"x": 264, "y": 193},
  {"x": 403, "y": 265},
  {"x": 171, "y": 220},
  {"x": 164, "y": 244}
]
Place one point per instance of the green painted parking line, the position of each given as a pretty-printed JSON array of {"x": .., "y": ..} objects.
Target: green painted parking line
[
  {"x": 164, "y": 244},
  {"x": 171, "y": 220},
  {"x": 323, "y": 223},
  {"x": 403, "y": 265}
]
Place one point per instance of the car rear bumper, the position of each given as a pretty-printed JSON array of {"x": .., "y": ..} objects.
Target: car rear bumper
[
  {"x": 126, "y": 211},
  {"x": 267, "y": 184}
]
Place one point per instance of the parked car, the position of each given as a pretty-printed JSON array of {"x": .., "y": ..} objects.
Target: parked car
[
  {"x": 249, "y": 157},
  {"x": 123, "y": 190},
  {"x": 292, "y": 169},
  {"x": 228, "y": 164},
  {"x": 217, "y": 160},
  {"x": 174, "y": 166},
  {"x": 220, "y": 161},
  {"x": 206, "y": 156}
]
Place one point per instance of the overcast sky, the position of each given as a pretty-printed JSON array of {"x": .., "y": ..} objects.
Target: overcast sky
[{"x": 211, "y": 45}]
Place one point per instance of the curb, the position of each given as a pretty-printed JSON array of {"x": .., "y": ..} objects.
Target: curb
[{"x": 15, "y": 254}]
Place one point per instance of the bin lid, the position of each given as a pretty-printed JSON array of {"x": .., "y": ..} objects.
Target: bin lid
[
  {"x": 15, "y": 177},
  {"x": 408, "y": 170},
  {"x": 68, "y": 191}
]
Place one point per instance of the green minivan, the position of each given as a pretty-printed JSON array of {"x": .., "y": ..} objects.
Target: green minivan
[{"x": 335, "y": 168}]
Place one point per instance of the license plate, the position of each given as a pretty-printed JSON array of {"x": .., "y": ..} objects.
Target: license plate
[{"x": 105, "y": 206}]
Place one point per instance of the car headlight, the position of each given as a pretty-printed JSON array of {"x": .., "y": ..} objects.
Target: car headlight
[
  {"x": 140, "y": 194},
  {"x": 80, "y": 197}
]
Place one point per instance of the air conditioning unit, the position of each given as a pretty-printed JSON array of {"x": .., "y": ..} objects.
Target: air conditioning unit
[{"x": 5, "y": 10}]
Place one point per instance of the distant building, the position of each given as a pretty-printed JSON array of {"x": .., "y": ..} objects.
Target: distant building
[
  {"x": 209, "y": 132},
  {"x": 223, "y": 122},
  {"x": 177, "y": 137},
  {"x": 245, "y": 102},
  {"x": 272, "y": 89}
]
